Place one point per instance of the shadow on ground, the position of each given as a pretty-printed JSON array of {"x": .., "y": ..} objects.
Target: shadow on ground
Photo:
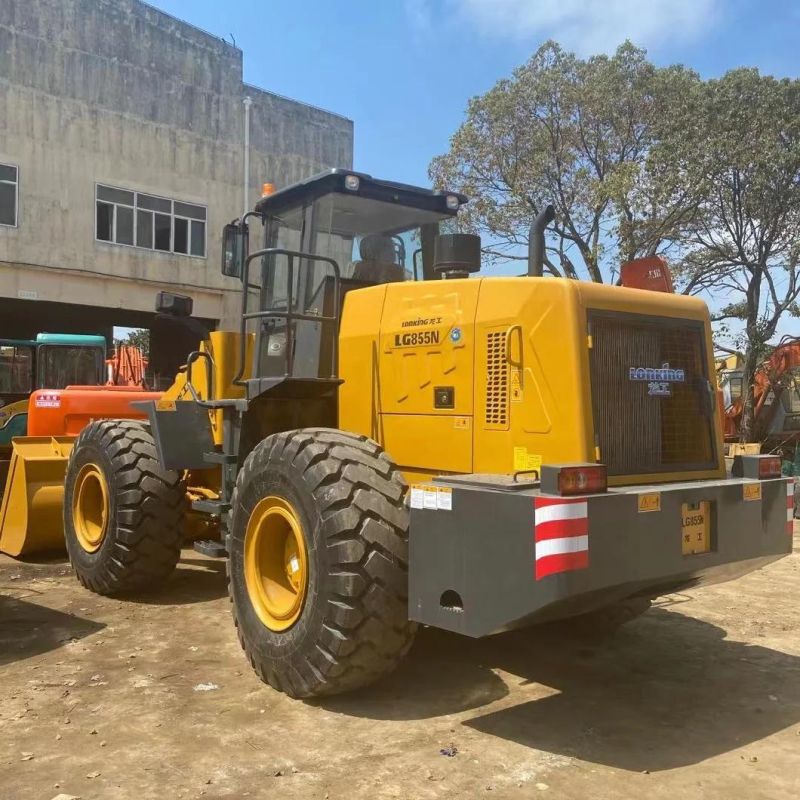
[
  {"x": 194, "y": 581},
  {"x": 28, "y": 629},
  {"x": 665, "y": 692}
]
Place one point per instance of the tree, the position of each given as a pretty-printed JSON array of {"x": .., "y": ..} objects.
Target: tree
[
  {"x": 576, "y": 133},
  {"x": 742, "y": 243}
]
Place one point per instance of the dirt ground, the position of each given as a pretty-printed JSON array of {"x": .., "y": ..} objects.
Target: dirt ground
[{"x": 153, "y": 698}]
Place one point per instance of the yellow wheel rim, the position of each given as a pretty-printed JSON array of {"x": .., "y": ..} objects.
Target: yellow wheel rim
[
  {"x": 90, "y": 507},
  {"x": 275, "y": 563}
]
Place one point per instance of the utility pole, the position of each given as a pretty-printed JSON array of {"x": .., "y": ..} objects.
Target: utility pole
[{"x": 246, "y": 176}]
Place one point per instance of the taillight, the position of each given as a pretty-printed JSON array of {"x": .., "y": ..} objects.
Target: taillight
[
  {"x": 756, "y": 467},
  {"x": 582, "y": 480},
  {"x": 572, "y": 479},
  {"x": 769, "y": 467}
]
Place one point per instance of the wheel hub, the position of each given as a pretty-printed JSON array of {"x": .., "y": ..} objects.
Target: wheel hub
[
  {"x": 90, "y": 507},
  {"x": 275, "y": 561}
]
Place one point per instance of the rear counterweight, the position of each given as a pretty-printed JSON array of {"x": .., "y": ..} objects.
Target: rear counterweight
[{"x": 486, "y": 557}]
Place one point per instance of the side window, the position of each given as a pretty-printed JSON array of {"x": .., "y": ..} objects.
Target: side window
[
  {"x": 16, "y": 369},
  {"x": 9, "y": 194}
]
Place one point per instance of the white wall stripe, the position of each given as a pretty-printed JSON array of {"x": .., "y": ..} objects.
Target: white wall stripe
[
  {"x": 562, "y": 511},
  {"x": 790, "y": 488},
  {"x": 558, "y": 547},
  {"x": 790, "y": 515}
]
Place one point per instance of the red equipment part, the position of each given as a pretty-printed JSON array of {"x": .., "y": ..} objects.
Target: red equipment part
[
  {"x": 127, "y": 367},
  {"x": 651, "y": 273}
]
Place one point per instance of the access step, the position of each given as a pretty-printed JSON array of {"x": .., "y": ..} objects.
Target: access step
[
  {"x": 211, "y": 548},
  {"x": 214, "y": 507},
  {"x": 220, "y": 458}
]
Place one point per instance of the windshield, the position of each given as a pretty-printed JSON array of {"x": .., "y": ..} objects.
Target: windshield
[
  {"x": 16, "y": 369},
  {"x": 61, "y": 366}
]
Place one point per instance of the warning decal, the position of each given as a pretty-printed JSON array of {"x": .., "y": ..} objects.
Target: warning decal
[
  {"x": 525, "y": 461},
  {"x": 432, "y": 498},
  {"x": 47, "y": 400}
]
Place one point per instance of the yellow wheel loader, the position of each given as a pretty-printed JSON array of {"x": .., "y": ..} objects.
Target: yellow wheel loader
[{"x": 390, "y": 440}]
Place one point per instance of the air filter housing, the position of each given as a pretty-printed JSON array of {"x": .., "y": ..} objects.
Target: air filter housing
[{"x": 456, "y": 255}]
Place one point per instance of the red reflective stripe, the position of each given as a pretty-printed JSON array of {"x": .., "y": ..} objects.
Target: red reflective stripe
[
  {"x": 551, "y": 565},
  {"x": 560, "y": 528}
]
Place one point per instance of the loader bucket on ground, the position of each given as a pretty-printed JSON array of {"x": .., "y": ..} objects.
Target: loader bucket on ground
[{"x": 31, "y": 509}]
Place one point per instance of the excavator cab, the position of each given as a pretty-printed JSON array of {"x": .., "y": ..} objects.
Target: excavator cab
[{"x": 52, "y": 361}]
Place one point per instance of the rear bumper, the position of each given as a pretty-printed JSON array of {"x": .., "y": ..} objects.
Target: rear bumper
[{"x": 486, "y": 556}]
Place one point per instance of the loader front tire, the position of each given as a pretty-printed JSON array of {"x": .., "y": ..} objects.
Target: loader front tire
[
  {"x": 318, "y": 572},
  {"x": 123, "y": 512}
]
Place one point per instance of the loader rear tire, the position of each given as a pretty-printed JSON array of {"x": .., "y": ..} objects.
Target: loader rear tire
[
  {"x": 134, "y": 541},
  {"x": 328, "y": 507}
]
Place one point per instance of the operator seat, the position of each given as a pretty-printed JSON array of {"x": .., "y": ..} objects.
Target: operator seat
[{"x": 378, "y": 262}]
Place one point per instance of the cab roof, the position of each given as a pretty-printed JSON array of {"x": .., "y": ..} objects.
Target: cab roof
[
  {"x": 75, "y": 339},
  {"x": 333, "y": 181}
]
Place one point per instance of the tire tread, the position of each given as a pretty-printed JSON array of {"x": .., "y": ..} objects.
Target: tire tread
[{"x": 151, "y": 506}]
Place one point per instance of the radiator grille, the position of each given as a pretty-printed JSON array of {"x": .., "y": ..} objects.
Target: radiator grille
[
  {"x": 637, "y": 429},
  {"x": 496, "y": 380}
]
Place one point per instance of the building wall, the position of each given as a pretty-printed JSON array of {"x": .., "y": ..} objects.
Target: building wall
[{"x": 118, "y": 93}]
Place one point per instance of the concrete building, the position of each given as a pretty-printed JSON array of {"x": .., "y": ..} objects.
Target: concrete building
[{"x": 121, "y": 158}]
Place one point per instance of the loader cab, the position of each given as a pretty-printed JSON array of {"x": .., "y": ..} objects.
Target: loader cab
[{"x": 375, "y": 231}]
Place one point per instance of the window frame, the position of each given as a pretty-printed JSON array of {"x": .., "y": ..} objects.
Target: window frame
[
  {"x": 136, "y": 208},
  {"x": 16, "y": 195}
]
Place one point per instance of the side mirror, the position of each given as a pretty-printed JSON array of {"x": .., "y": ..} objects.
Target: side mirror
[
  {"x": 235, "y": 241},
  {"x": 176, "y": 305}
]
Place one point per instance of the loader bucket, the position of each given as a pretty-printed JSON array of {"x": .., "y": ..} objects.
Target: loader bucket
[{"x": 31, "y": 510}]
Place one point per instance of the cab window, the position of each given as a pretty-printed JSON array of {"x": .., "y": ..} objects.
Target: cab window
[{"x": 61, "y": 366}]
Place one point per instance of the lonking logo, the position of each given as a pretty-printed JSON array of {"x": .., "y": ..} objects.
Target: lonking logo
[
  {"x": 659, "y": 379},
  {"x": 420, "y": 322}
]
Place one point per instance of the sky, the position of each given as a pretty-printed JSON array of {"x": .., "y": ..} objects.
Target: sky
[{"x": 403, "y": 70}]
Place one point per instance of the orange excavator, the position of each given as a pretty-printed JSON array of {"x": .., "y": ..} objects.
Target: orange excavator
[{"x": 776, "y": 394}]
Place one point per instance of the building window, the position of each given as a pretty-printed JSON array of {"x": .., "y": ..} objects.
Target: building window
[
  {"x": 9, "y": 194},
  {"x": 149, "y": 222}
]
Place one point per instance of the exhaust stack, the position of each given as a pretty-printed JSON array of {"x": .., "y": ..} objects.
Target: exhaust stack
[{"x": 536, "y": 241}]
